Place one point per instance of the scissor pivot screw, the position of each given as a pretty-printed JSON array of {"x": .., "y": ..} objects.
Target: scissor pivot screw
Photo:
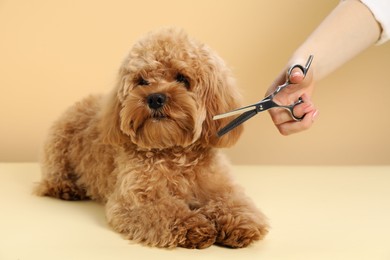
[{"x": 261, "y": 107}]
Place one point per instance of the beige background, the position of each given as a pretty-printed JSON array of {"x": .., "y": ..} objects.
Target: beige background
[{"x": 53, "y": 53}]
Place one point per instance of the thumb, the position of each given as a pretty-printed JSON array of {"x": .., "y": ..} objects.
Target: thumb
[{"x": 296, "y": 76}]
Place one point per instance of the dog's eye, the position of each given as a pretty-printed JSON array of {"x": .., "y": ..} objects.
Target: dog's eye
[
  {"x": 183, "y": 79},
  {"x": 142, "y": 82}
]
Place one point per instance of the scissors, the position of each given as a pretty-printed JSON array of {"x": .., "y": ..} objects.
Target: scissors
[{"x": 264, "y": 104}]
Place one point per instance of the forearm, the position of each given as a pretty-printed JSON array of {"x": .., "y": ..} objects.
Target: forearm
[{"x": 348, "y": 30}]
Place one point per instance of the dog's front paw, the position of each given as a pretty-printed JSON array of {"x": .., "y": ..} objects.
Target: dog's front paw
[
  {"x": 238, "y": 232},
  {"x": 200, "y": 233}
]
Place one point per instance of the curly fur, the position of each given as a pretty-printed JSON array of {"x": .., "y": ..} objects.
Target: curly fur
[{"x": 158, "y": 171}]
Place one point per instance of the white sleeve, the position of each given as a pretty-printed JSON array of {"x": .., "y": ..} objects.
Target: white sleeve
[{"x": 381, "y": 11}]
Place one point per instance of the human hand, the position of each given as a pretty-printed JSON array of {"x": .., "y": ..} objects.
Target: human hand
[{"x": 302, "y": 86}]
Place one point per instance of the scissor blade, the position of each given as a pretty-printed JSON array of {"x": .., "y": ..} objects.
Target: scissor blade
[
  {"x": 236, "y": 122},
  {"x": 235, "y": 112}
]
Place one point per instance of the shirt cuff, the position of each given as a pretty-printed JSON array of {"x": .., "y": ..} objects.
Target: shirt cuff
[{"x": 380, "y": 10}]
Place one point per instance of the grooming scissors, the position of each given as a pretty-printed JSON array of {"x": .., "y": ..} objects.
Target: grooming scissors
[{"x": 267, "y": 103}]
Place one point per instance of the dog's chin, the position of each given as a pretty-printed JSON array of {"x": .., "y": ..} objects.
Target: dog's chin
[{"x": 162, "y": 132}]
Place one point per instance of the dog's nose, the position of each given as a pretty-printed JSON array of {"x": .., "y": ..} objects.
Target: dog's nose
[{"x": 156, "y": 100}]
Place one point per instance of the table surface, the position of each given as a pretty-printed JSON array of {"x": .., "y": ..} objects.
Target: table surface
[{"x": 315, "y": 213}]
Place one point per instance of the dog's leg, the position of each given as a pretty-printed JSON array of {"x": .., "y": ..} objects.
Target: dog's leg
[
  {"x": 163, "y": 223},
  {"x": 58, "y": 177},
  {"x": 63, "y": 187},
  {"x": 238, "y": 221}
]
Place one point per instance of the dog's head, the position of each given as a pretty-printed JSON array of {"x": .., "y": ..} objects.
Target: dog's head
[{"x": 168, "y": 90}]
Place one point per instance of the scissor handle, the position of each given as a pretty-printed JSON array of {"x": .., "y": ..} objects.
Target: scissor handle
[
  {"x": 304, "y": 69},
  {"x": 291, "y": 109}
]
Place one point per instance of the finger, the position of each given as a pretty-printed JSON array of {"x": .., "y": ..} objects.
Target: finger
[
  {"x": 305, "y": 107},
  {"x": 294, "y": 90},
  {"x": 281, "y": 116},
  {"x": 296, "y": 76},
  {"x": 293, "y": 127}
]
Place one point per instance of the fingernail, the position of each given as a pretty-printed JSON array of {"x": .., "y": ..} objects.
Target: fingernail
[
  {"x": 296, "y": 73},
  {"x": 296, "y": 76}
]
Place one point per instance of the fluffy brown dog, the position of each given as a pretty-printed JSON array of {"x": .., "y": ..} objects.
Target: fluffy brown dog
[{"x": 148, "y": 150}]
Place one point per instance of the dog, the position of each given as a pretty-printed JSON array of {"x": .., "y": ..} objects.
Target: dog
[{"x": 149, "y": 151}]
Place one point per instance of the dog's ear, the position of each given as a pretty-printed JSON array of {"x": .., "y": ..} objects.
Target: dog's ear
[
  {"x": 220, "y": 95},
  {"x": 110, "y": 120}
]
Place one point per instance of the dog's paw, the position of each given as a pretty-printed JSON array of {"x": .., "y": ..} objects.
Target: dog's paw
[
  {"x": 65, "y": 190},
  {"x": 200, "y": 233},
  {"x": 239, "y": 232}
]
